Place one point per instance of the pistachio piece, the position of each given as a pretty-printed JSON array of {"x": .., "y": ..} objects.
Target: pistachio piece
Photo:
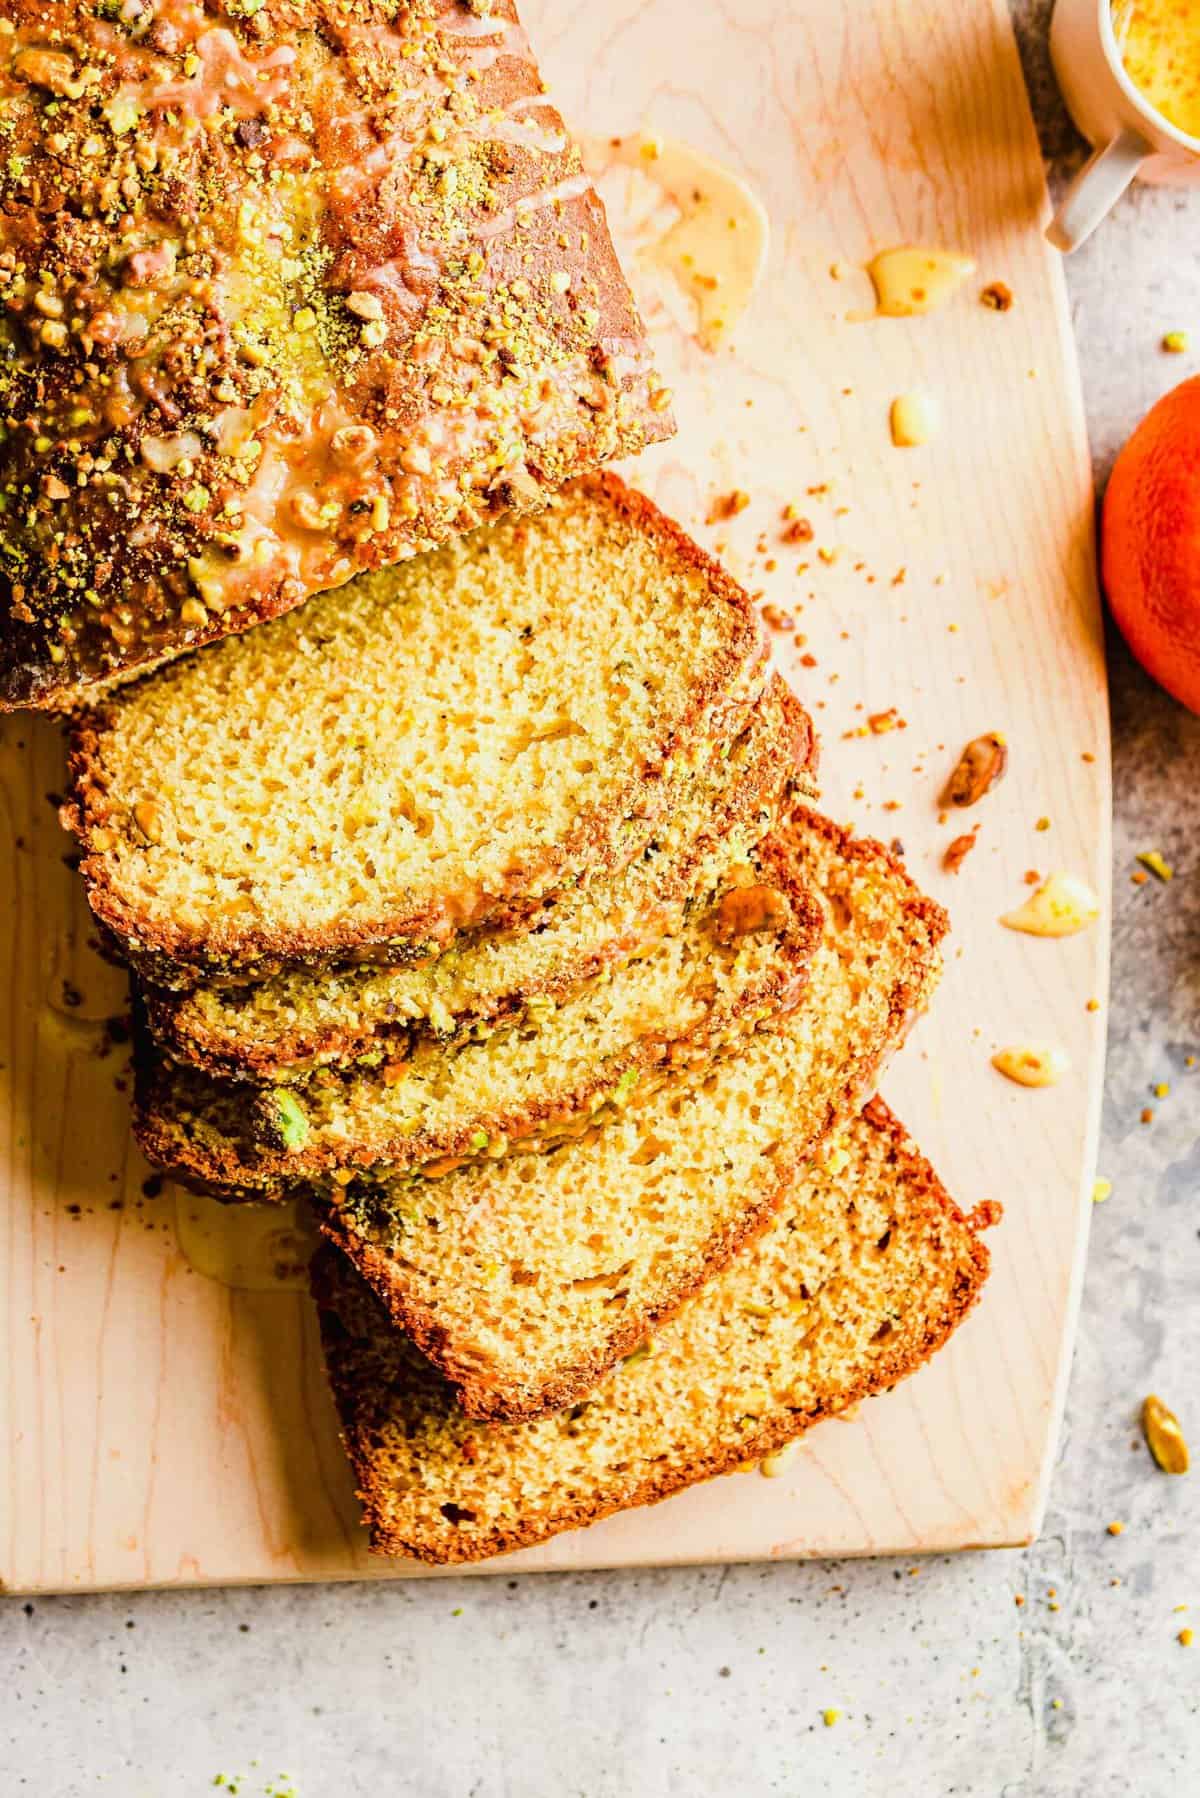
[
  {"x": 836, "y": 1159},
  {"x": 365, "y": 305},
  {"x": 148, "y": 819},
  {"x": 1153, "y": 860},
  {"x": 979, "y": 767},
  {"x": 1164, "y": 1437},
  {"x": 625, "y": 1085},
  {"x": 1061, "y": 906},
  {"x": 291, "y": 1121},
  {"x": 1031, "y": 1064},
  {"x": 756, "y": 910},
  {"x": 48, "y": 68}
]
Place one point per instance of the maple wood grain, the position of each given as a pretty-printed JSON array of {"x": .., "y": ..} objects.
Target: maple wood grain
[{"x": 161, "y": 1429}]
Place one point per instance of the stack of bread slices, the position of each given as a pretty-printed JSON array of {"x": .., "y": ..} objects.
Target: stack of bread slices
[{"x": 482, "y": 903}]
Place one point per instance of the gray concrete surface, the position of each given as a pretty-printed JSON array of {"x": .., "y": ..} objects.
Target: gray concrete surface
[{"x": 714, "y": 1682}]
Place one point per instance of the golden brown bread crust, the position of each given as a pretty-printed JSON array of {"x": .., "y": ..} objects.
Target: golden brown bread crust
[
  {"x": 289, "y": 292},
  {"x": 778, "y": 747},
  {"x": 482, "y": 1394},
  {"x": 603, "y": 840},
  {"x": 363, "y": 1370},
  {"x": 223, "y": 1138}
]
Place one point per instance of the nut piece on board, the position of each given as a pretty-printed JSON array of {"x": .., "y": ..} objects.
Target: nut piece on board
[
  {"x": 1061, "y": 906},
  {"x": 1164, "y": 1438},
  {"x": 979, "y": 767}
]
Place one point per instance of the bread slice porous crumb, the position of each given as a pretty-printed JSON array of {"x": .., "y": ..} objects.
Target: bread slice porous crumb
[
  {"x": 865, "y": 1270},
  {"x": 526, "y": 1278},
  {"x": 435, "y": 747}
]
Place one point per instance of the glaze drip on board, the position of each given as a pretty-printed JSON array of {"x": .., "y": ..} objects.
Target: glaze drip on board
[{"x": 716, "y": 248}]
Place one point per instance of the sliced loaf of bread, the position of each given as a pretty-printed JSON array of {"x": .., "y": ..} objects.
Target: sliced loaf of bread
[
  {"x": 438, "y": 746},
  {"x": 866, "y": 1269},
  {"x": 287, "y": 1027},
  {"x": 290, "y": 291},
  {"x": 525, "y": 1279},
  {"x": 562, "y": 1066}
]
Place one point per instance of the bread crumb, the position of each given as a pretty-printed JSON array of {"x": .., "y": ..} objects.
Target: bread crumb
[
  {"x": 727, "y": 505},
  {"x": 778, "y": 619},
  {"x": 881, "y": 722},
  {"x": 958, "y": 849}
]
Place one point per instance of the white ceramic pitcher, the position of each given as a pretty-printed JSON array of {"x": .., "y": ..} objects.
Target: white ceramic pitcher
[{"x": 1129, "y": 136}]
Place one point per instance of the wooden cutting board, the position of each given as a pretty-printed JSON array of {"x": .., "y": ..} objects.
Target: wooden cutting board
[{"x": 162, "y": 1428}]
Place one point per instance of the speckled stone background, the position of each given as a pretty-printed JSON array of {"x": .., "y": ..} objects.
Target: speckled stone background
[{"x": 713, "y": 1682}]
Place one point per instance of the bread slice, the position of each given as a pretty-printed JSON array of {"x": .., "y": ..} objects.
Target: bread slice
[
  {"x": 437, "y": 747},
  {"x": 287, "y": 1027},
  {"x": 865, "y": 1270},
  {"x": 524, "y": 1280},
  {"x": 367, "y": 299},
  {"x": 565, "y": 1064}
]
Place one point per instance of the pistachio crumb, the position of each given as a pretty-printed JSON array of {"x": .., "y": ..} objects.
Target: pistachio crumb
[{"x": 1164, "y": 1436}]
